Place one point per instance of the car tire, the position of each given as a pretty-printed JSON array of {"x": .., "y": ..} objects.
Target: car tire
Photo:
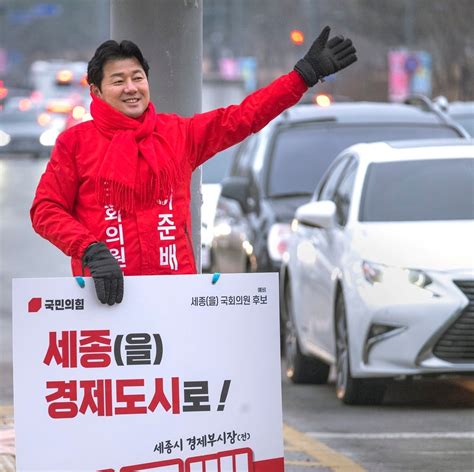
[
  {"x": 299, "y": 367},
  {"x": 350, "y": 390}
]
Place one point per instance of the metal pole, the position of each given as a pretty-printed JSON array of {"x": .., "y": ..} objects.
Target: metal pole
[{"x": 169, "y": 33}]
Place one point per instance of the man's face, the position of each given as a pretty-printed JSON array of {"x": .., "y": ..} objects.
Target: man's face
[{"x": 124, "y": 87}]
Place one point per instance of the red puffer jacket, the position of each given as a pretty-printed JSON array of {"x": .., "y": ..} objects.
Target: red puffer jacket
[{"x": 154, "y": 241}]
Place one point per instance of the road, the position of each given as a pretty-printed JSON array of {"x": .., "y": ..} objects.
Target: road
[
  {"x": 22, "y": 252},
  {"x": 421, "y": 426}
]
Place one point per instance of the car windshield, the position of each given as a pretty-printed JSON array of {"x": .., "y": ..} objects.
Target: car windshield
[
  {"x": 215, "y": 169},
  {"x": 421, "y": 190},
  {"x": 466, "y": 121},
  {"x": 302, "y": 153}
]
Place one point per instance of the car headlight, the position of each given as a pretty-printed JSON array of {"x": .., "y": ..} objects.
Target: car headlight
[
  {"x": 382, "y": 274},
  {"x": 4, "y": 138},
  {"x": 277, "y": 242},
  {"x": 48, "y": 137}
]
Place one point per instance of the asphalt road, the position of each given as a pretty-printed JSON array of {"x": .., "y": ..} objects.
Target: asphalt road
[
  {"x": 22, "y": 252},
  {"x": 421, "y": 426}
]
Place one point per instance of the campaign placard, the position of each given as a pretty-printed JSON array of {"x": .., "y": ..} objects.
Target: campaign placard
[{"x": 183, "y": 376}]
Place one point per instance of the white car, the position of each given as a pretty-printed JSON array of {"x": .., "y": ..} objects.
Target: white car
[
  {"x": 379, "y": 276},
  {"x": 463, "y": 113}
]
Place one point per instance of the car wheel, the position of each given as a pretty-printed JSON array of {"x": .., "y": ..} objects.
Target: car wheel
[
  {"x": 350, "y": 390},
  {"x": 299, "y": 367}
]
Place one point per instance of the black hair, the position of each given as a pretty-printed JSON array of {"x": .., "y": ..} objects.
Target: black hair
[{"x": 109, "y": 51}]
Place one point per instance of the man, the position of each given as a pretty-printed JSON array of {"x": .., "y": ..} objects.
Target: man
[{"x": 115, "y": 194}]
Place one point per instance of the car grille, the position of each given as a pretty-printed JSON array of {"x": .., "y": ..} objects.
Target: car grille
[{"x": 457, "y": 342}]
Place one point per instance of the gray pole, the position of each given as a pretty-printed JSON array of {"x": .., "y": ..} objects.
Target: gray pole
[{"x": 169, "y": 33}]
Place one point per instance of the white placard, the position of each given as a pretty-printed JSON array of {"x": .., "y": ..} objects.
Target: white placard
[{"x": 182, "y": 376}]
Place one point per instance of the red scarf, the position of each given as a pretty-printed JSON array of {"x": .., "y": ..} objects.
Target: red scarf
[{"x": 133, "y": 175}]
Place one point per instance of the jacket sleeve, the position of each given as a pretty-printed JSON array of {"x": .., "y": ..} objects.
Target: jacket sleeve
[
  {"x": 219, "y": 129},
  {"x": 53, "y": 206}
]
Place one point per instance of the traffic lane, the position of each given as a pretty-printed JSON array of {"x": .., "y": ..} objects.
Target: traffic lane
[
  {"x": 22, "y": 252},
  {"x": 422, "y": 425},
  {"x": 417, "y": 453},
  {"x": 303, "y": 452}
]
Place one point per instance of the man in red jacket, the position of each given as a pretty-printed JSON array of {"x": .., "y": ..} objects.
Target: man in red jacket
[{"x": 115, "y": 194}]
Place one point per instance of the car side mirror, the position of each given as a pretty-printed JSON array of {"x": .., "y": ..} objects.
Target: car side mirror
[
  {"x": 238, "y": 188},
  {"x": 317, "y": 214}
]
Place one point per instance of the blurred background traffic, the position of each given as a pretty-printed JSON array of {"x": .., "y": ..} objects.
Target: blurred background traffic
[
  {"x": 45, "y": 45},
  {"x": 429, "y": 42}
]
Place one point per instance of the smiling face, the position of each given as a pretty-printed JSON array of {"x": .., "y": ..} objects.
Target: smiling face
[{"x": 124, "y": 87}]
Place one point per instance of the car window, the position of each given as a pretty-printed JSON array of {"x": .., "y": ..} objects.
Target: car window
[
  {"x": 243, "y": 159},
  {"x": 343, "y": 195},
  {"x": 466, "y": 121},
  {"x": 329, "y": 186},
  {"x": 301, "y": 154},
  {"x": 435, "y": 189},
  {"x": 216, "y": 168}
]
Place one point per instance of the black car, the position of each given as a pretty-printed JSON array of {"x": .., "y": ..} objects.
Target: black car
[{"x": 277, "y": 169}]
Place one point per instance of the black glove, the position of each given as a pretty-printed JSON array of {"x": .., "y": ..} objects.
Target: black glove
[
  {"x": 106, "y": 272},
  {"x": 325, "y": 57}
]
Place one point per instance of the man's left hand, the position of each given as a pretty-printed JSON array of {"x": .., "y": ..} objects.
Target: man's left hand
[{"x": 325, "y": 57}]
